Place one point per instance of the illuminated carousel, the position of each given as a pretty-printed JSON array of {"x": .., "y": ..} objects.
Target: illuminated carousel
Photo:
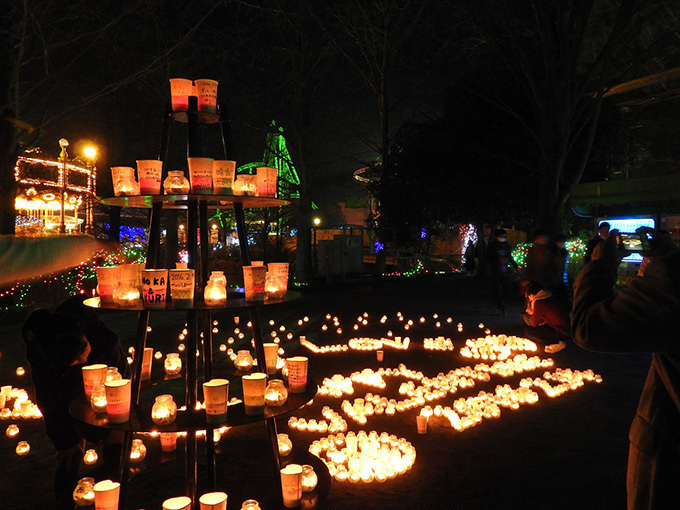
[{"x": 54, "y": 195}]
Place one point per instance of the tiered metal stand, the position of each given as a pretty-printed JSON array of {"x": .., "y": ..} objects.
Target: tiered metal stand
[{"x": 199, "y": 320}]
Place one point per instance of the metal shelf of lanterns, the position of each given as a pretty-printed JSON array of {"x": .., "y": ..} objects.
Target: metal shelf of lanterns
[{"x": 199, "y": 320}]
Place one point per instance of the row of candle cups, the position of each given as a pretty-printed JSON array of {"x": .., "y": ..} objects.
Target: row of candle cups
[
  {"x": 120, "y": 285},
  {"x": 112, "y": 395},
  {"x": 295, "y": 479},
  {"x": 205, "y": 90},
  {"x": 106, "y": 496},
  {"x": 206, "y": 176}
]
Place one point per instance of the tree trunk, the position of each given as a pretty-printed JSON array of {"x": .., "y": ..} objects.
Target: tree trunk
[{"x": 8, "y": 185}]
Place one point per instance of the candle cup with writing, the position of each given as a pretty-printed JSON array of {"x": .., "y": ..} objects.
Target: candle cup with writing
[
  {"x": 118, "y": 400},
  {"x": 200, "y": 175},
  {"x": 223, "y": 176},
  {"x": 266, "y": 181},
  {"x": 380, "y": 355},
  {"x": 107, "y": 281},
  {"x": 182, "y": 287},
  {"x": 178, "y": 503},
  {"x": 254, "y": 278},
  {"x": 245, "y": 185},
  {"x": 133, "y": 273},
  {"x": 253, "y": 393},
  {"x": 168, "y": 441},
  {"x": 149, "y": 172},
  {"x": 271, "y": 355},
  {"x": 213, "y": 501},
  {"x": 154, "y": 287},
  {"x": 216, "y": 395},
  {"x": 421, "y": 422},
  {"x": 106, "y": 495},
  {"x": 180, "y": 90},
  {"x": 291, "y": 485},
  {"x": 277, "y": 280},
  {"x": 297, "y": 373},
  {"x": 147, "y": 358},
  {"x": 93, "y": 376},
  {"x": 206, "y": 90},
  {"x": 124, "y": 182}
]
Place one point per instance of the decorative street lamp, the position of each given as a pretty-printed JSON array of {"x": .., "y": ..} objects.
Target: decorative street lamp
[{"x": 63, "y": 158}]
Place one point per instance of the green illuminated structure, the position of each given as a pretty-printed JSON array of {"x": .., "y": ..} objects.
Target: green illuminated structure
[{"x": 276, "y": 155}]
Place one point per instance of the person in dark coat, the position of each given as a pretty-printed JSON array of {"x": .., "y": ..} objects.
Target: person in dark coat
[
  {"x": 544, "y": 310},
  {"x": 500, "y": 263},
  {"x": 640, "y": 318},
  {"x": 58, "y": 344},
  {"x": 601, "y": 237}
]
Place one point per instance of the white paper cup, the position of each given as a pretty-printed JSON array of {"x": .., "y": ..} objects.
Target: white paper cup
[
  {"x": 379, "y": 355},
  {"x": 277, "y": 280},
  {"x": 253, "y": 280},
  {"x": 182, "y": 287},
  {"x": 206, "y": 90},
  {"x": 131, "y": 273},
  {"x": 421, "y": 422},
  {"x": 223, "y": 176},
  {"x": 213, "y": 501},
  {"x": 118, "y": 395},
  {"x": 271, "y": 355},
  {"x": 253, "y": 393},
  {"x": 106, "y": 495},
  {"x": 266, "y": 181},
  {"x": 178, "y": 503},
  {"x": 154, "y": 287},
  {"x": 93, "y": 376},
  {"x": 216, "y": 395},
  {"x": 120, "y": 174},
  {"x": 291, "y": 485},
  {"x": 180, "y": 90},
  {"x": 245, "y": 185},
  {"x": 107, "y": 280},
  {"x": 168, "y": 441},
  {"x": 147, "y": 359},
  {"x": 200, "y": 175},
  {"x": 297, "y": 373},
  {"x": 149, "y": 172}
]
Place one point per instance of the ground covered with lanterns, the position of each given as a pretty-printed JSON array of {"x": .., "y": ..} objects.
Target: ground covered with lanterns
[{"x": 507, "y": 425}]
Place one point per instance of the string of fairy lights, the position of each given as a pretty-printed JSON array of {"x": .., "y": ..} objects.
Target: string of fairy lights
[{"x": 74, "y": 280}]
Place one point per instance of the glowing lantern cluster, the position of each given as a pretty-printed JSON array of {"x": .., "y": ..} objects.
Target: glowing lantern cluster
[
  {"x": 365, "y": 344},
  {"x": 323, "y": 349},
  {"x": 365, "y": 457},
  {"x": 336, "y": 386},
  {"x": 495, "y": 347},
  {"x": 333, "y": 423},
  {"x": 438, "y": 344}
]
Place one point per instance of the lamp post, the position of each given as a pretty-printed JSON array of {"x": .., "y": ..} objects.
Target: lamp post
[
  {"x": 315, "y": 255},
  {"x": 63, "y": 157},
  {"x": 91, "y": 155}
]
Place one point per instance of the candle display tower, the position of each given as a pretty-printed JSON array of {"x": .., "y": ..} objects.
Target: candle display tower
[{"x": 199, "y": 319}]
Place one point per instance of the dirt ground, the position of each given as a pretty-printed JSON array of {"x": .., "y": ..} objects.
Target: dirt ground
[{"x": 566, "y": 452}]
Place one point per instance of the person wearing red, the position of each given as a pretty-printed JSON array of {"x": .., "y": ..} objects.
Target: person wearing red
[{"x": 544, "y": 310}]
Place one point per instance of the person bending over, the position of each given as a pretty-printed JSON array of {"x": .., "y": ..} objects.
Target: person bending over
[
  {"x": 58, "y": 344},
  {"x": 544, "y": 310}
]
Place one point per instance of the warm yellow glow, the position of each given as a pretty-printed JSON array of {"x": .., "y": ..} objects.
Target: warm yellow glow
[
  {"x": 90, "y": 152},
  {"x": 90, "y": 457}
]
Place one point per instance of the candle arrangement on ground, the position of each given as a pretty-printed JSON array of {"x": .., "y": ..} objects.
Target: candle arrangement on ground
[{"x": 364, "y": 456}]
